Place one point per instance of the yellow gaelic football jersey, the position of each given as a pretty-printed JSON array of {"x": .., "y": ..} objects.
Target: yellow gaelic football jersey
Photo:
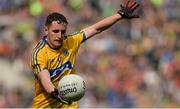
[{"x": 58, "y": 62}]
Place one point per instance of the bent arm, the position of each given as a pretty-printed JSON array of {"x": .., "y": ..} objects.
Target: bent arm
[
  {"x": 44, "y": 77},
  {"x": 101, "y": 25},
  {"x": 49, "y": 87}
]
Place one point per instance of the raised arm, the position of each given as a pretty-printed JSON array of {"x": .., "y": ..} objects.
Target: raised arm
[{"x": 126, "y": 12}]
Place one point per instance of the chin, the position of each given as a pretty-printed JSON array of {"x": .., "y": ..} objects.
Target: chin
[{"x": 58, "y": 45}]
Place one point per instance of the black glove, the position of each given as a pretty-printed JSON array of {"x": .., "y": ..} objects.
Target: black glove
[
  {"x": 127, "y": 11},
  {"x": 55, "y": 94}
]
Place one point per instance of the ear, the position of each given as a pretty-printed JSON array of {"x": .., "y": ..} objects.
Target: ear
[{"x": 46, "y": 30}]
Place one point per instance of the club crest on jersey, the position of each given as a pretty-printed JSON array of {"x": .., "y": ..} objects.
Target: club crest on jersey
[{"x": 65, "y": 52}]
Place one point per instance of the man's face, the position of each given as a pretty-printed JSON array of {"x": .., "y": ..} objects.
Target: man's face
[{"x": 55, "y": 33}]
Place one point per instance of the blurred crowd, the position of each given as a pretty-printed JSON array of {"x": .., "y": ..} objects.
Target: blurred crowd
[{"x": 135, "y": 63}]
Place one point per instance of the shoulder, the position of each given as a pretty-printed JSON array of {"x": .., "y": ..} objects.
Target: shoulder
[
  {"x": 39, "y": 47},
  {"x": 74, "y": 34}
]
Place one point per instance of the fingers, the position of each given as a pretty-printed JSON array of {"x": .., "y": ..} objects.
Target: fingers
[
  {"x": 127, "y": 10},
  {"x": 133, "y": 4},
  {"x": 127, "y": 4},
  {"x": 134, "y": 8}
]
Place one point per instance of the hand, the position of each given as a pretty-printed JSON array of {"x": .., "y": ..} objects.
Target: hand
[
  {"x": 127, "y": 11},
  {"x": 55, "y": 94}
]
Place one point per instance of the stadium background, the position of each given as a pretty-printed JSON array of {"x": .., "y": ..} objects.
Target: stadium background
[{"x": 134, "y": 64}]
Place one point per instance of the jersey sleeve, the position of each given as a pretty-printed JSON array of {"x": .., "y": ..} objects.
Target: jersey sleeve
[
  {"x": 76, "y": 40},
  {"x": 38, "y": 61},
  {"x": 79, "y": 37}
]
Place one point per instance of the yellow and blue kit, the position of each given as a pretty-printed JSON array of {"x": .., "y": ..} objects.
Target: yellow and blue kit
[{"x": 58, "y": 62}]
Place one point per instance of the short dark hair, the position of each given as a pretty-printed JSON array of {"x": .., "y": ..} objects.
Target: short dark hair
[{"x": 55, "y": 17}]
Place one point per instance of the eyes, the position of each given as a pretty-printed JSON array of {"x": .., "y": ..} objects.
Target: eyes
[{"x": 57, "y": 31}]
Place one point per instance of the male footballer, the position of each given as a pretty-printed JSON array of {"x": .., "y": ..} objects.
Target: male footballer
[{"x": 54, "y": 55}]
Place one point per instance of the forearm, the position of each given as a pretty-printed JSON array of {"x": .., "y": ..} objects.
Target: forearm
[
  {"x": 107, "y": 22},
  {"x": 101, "y": 25},
  {"x": 46, "y": 81},
  {"x": 49, "y": 87}
]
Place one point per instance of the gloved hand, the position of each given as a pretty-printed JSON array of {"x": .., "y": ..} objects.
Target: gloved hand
[
  {"x": 55, "y": 94},
  {"x": 127, "y": 11}
]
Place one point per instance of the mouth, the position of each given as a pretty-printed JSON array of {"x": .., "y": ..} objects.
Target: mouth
[
  {"x": 58, "y": 40},
  {"x": 58, "y": 43}
]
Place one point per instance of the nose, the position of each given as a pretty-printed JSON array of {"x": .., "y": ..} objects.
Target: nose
[{"x": 59, "y": 35}]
